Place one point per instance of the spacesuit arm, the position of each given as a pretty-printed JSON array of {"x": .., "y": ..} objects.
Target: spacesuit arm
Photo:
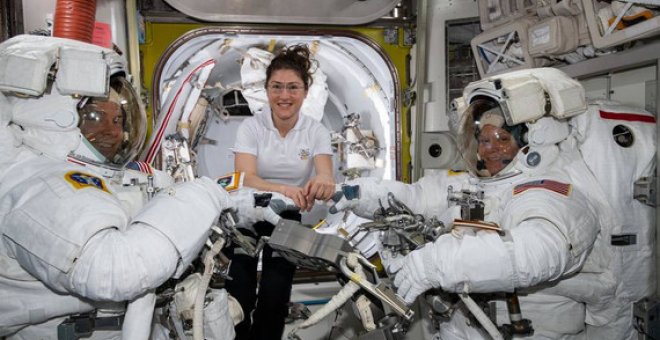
[
  {"x": 543, "y": 243},
  {"x": 118, "y": 266},
  {"x": 485, "y": 262},
  {"x": 184, "y": 214},
  {"x": 164, "y": 238},
  {"x": 428, "y": 196},
  {"x": 82, "y": 241}
]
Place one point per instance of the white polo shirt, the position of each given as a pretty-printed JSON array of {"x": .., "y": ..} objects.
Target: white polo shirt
[{"x": 287, "y": 160}]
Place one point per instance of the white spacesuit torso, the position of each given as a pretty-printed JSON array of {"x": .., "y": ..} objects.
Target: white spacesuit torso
[
  {"x": 616, "y": 148},
  {"x": 551, "y": 253},
  {"x": 43, "y": 199},
  {"x": 38, "y": 185},
  {"x": 549, "y": 194}
]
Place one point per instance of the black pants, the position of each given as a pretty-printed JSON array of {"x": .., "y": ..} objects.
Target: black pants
[{"x": 270, "y": 305}]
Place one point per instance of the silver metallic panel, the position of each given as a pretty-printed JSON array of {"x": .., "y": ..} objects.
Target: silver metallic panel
[
  {"x": 336, "y": 12},
  {"x": 306, "y": 248}
]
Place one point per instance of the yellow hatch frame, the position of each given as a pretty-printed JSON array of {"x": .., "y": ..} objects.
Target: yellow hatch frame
[{"x": 158, "y": 37}]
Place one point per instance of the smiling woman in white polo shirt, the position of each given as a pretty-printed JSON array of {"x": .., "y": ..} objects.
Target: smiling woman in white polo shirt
[{"x": 278, "y": 150}]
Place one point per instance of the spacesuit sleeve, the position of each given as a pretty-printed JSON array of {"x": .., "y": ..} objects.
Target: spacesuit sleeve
[
  {"x": 164, "y": 238},
  {"x": 118, "y": 266},
  {"x": 428, "y": 196},
  {"x": 184, "y": 214},
  {"x": 82, "y": 241},
  {"x": 484, "y": 262},
  {"x": 547, "y": 237}
]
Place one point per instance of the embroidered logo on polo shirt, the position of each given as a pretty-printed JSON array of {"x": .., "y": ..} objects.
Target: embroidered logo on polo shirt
[{"x": 304, "y": 153}]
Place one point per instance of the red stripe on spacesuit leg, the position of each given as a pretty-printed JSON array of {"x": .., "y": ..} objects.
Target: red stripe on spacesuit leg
[{"x": 631, "y": 117}]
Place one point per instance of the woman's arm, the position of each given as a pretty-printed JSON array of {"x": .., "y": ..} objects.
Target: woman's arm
[
  {"x": 247, "y": 164},
  {"x": 321, "y": 186}
]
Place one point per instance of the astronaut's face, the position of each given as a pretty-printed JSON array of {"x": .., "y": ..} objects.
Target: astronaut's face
[
  {"x": 102, "y": 123},
  {"x": 497, "y": 148},
  {"x": 286, "y": 93}
]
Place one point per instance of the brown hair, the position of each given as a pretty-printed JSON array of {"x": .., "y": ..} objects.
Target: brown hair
[{"x": 296, "y": 58}]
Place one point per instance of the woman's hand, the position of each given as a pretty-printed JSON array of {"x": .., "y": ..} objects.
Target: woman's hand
[
  {"x": 297, "y": 195},
  {"x": 320, "y": 187}
]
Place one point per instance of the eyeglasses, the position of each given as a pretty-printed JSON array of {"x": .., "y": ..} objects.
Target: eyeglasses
[
  {"x": 293, "y": 88},
  {"x": 101, "y": 114}
]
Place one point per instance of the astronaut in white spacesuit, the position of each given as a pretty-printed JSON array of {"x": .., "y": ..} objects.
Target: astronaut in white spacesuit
[
  {"x": 74, "y": 239},
  {"x": 534, "y": 211}
]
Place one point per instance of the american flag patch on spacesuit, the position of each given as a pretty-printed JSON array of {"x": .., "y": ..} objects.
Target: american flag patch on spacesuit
[
  {"x": 141, "y": 167},
  {"x": 80, "y": 180},
  {"x": 545, "y": 184}
]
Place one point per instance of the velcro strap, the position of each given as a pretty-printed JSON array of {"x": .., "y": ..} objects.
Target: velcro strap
[{"x": 624, "y": 240}]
